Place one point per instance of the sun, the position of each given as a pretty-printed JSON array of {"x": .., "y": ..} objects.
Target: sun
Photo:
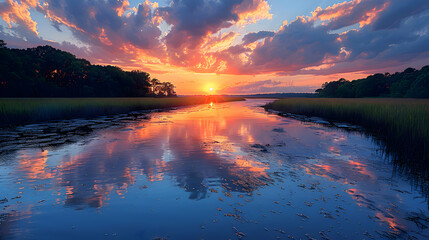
[{"x": 210, "y": 89}]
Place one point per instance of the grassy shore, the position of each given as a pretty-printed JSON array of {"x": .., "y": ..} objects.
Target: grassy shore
[
  {"x": 402, "y": 124},
  {"x": 407, "y": 118},
  {"x": 32, "y": 110}
]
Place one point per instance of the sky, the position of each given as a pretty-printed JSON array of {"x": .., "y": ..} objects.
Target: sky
[{"x": 230, "y": 46}]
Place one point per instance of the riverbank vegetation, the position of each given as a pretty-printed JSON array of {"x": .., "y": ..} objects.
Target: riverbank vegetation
[
  {"x": 31, "y": 110},
  {"x": 48, "y": 72},
  {"x": 400, "y": 124},
  {"x": 410, "y": 83}
]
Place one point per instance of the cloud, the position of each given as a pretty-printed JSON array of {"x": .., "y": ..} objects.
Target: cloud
[
  {"x": 250, "y": 87},
  {"x": 219, "y": 42},
  {"x": 101, "y": 23},
  {"x": 194, "y": 21},
  {"x": 113, "y": 32},
  {"x": 309, "y": 45},
  {"x": 252, "y": 11},
  {"x": 373, "y": 48},
  {"x": 204, "y": 35},
  {"x": 362, "y": 12},
  {"x": 18, "y": 12},
  {"x": 265, "y": 86},
  {"x": 297, "y": 45},
  {"x": 253, "y": 37},
  {"x": 398, "y": 10}
]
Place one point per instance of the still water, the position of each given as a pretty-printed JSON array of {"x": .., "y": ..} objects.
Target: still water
[{"x": 218, "y": 171}]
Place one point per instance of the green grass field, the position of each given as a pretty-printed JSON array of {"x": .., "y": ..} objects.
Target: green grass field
[
  {"x": 402, "y": 124},
  {"x": 31, "y": 110}
]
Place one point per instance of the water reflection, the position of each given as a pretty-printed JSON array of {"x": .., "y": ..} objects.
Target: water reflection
[
  {"x": 33, "y": 165},
  {"x": 234, "y": 158},
  {"x": 191, "y": 147}
]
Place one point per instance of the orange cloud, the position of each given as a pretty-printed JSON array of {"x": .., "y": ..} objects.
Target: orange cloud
[
  {"x": 103, "y": 38},
  {"x": 349, "y": 13},
  {"x": 14, "y": 12},
  {"x": 124, "y": 7},
  {"x": 220, "y": 42},
  {"x": 253, "y": 11},
  {"x": 334, "y": 11},
  {"x": 57, "y": 19},
  {"x": 372, "y": 14}
]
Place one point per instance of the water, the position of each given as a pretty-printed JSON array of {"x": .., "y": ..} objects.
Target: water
[{"x": 219, "y": 171}]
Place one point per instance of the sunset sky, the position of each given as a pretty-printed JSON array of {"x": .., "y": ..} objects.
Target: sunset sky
[{"x": 231, "y": 46}]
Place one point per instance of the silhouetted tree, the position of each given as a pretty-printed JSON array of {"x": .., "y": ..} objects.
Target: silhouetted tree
[
  {"x": 346, "y": 90},
  {"x": 420, "y": 87},
  {"x": 168, "y": 89},
  {"x": 410, "y": 83},
  {"x": 329, "y": 89},
  {"x": 48, "y": 72}
]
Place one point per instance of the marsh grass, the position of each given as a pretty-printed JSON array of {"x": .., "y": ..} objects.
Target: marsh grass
[
  {"x": 32, "y": 110},
  {"x": 401, "y": 126}
]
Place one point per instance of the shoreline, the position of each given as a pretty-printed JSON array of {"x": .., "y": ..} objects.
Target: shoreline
[
  {"x": 405, "y": 116},
  {"x": 318, "y": 120},
  {"x": 22, "y": 111},
  {"x": 399, "y": 126}
]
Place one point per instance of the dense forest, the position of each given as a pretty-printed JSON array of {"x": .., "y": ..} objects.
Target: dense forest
[
  {"x": 410, "y": 83},
  {"x": 48, "y": 72}
]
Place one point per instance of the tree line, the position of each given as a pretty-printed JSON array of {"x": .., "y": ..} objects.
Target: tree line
[
  {"x": 48, "y": 72},
  {"x": 410, "y": 83}
]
